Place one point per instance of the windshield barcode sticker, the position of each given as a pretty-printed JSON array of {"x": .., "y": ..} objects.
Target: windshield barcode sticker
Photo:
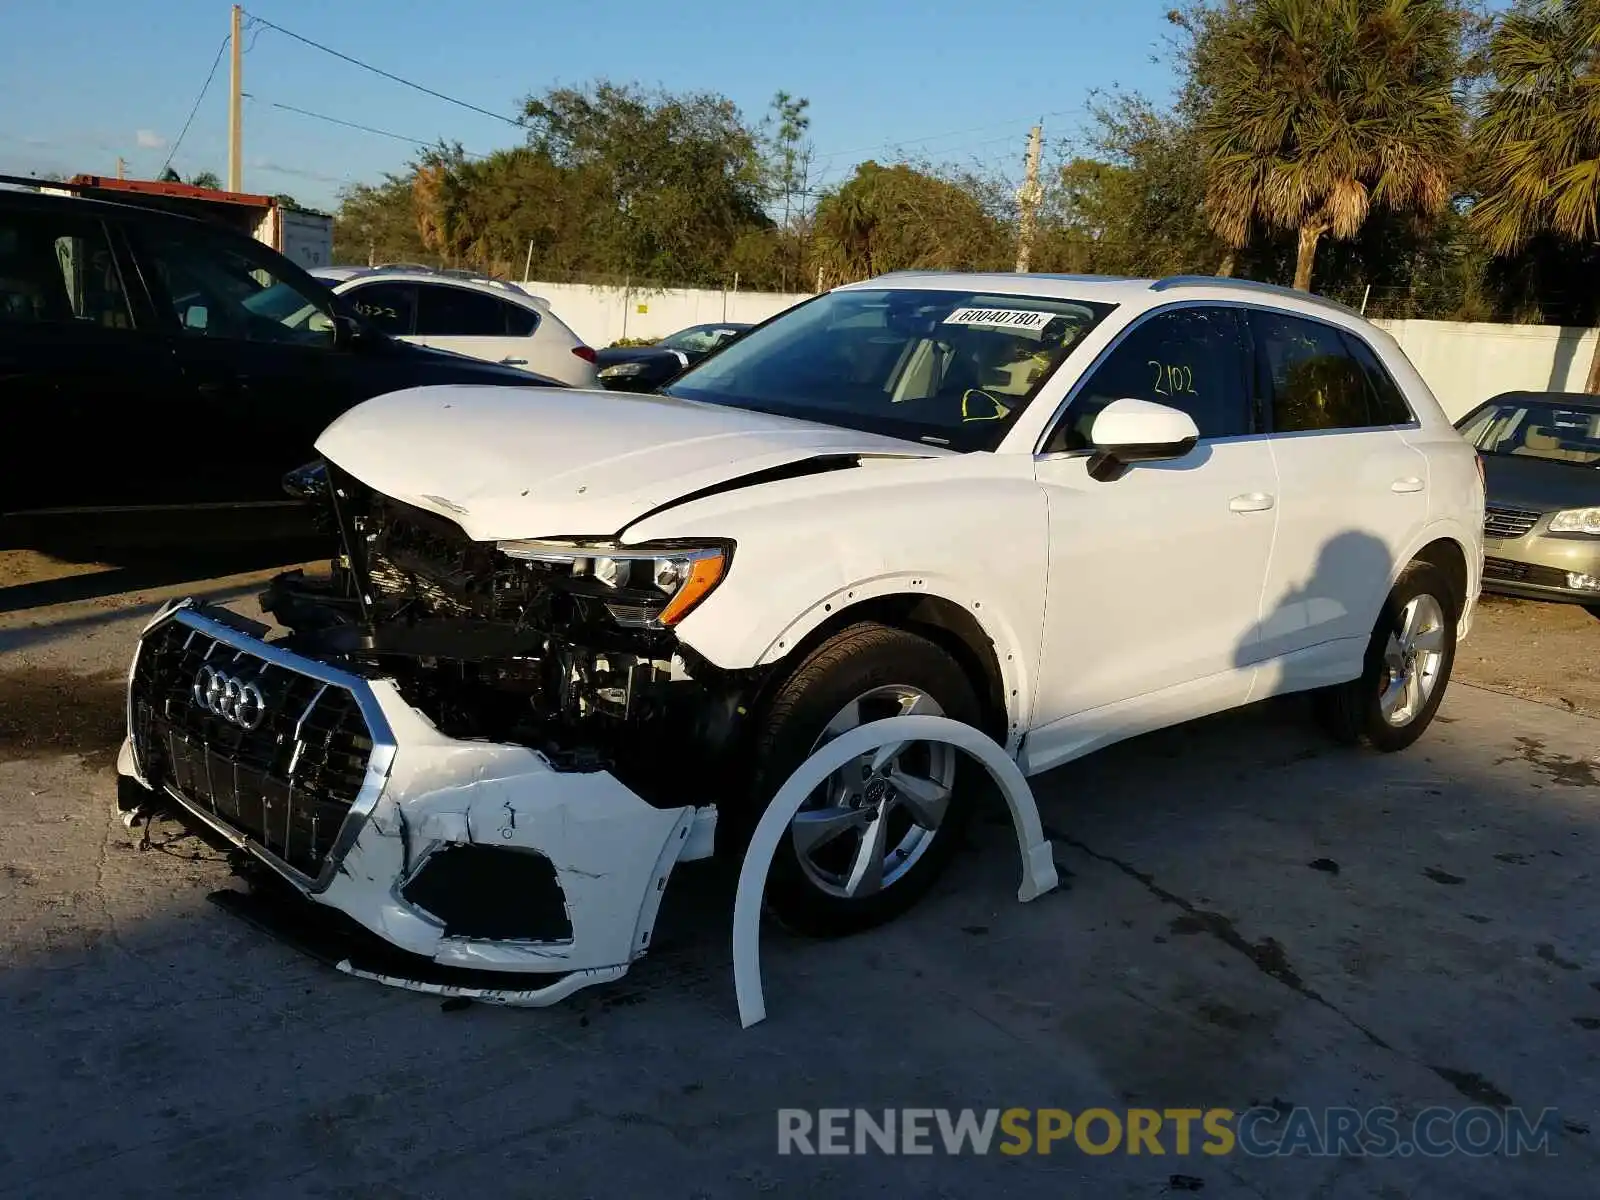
[{"x": 1002, "y": 318}]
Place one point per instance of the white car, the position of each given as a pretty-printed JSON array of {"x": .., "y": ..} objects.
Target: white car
[
  {"x": 570, "y": 644},
  {"x": 479, "y": 317}
]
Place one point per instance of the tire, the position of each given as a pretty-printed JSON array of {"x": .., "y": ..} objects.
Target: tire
[
  {"x": 1356, "y": 712},
  {"x": 863, "y": 664}
]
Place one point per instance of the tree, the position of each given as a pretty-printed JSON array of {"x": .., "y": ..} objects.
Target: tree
[
  {"x": 1317, "y": 110},
  {"x": 670, "y": 182},
  {"x": 789, "y": 162},
  {"x": 1536, "y": 145},
  {"x": 206, "y": 179},
  {"x": 168, "y": 175},
  {"x": 899, "y": 217},
  {"x": 377, "y": 223},
  {"x": 1137, "y": 208}
]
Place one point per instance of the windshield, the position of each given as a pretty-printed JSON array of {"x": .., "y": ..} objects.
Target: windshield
[
  {"x": 698, "y": 339},
  {"x": 952, "y": 368},
  {"x": 1536, "y": 428},
  {"x": 282, "y": 303}
]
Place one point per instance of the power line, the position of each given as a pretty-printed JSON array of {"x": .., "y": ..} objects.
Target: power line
[
  {"x": 895, "y": 143},
  {"x": 366, "y": 66},
  {"x": 430, "y": 143},
  {"x": 210, "y": 75}
]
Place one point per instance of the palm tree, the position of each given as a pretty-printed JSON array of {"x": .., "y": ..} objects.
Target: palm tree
[
  {"x": 1537, "y": 141},
  {"x": 1319, "y": 109}
]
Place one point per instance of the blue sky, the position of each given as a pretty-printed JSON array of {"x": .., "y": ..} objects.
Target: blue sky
[{"x": 82, "y": 81}]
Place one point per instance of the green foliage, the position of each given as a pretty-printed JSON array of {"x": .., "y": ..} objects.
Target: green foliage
[
  {"x": 1316, "y": 111},
  {"x": 895, "y": 218},
  {"x": 1537, "y": 143},
  {"x": 668, "y": 184}
]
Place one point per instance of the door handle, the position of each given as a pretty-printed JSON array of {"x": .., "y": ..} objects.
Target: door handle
[
  {"x": 1409, "y": 484},
  {"x": 1252, "y": 502},
  {"x": 513, "y": 362}
]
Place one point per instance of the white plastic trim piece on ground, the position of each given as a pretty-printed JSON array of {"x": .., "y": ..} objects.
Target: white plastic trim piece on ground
[{"x": 1038, "y": 864}]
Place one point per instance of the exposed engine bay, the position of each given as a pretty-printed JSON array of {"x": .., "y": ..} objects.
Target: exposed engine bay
[{"x": 528, "y": 643}]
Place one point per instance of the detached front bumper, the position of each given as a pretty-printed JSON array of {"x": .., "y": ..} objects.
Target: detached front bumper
[{"x": 467, "y": 854}]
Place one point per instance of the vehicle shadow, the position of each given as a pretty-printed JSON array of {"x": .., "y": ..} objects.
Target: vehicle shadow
[
  {"x": 1320, "y": 600},
  {"x": 138, "y": 570}
]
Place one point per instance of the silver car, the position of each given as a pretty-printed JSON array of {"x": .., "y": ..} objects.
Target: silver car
[{"x": 1541, "y": 459}]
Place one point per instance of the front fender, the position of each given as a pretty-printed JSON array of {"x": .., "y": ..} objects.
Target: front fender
[{"x": 972, "y": 531}]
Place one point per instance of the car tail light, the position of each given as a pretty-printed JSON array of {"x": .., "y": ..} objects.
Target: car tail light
[{"x": 585, "y": 353}]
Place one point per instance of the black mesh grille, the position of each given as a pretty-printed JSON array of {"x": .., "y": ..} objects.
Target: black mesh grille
[
  {"x": 287, "y": 784},
  {"x": 1509, "y": 570}
]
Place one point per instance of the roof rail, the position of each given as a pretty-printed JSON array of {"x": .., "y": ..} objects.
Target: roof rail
[{"x": 1249, "y": 285}]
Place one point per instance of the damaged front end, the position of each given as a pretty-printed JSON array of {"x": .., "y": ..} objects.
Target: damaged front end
[
  {"x": 490, "y": 756},
  {"x": 562, "y": 646}
]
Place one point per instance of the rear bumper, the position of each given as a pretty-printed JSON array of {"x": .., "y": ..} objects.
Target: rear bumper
[{"x": 466, "y": 854}]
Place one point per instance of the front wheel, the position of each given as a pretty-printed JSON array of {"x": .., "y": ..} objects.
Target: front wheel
[
  {"x": 1407, "y": 666},
  {"x": 876, "y": 834}
]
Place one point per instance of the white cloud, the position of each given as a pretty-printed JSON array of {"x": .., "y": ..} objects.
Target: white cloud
[{"x": 149, "y": 139}]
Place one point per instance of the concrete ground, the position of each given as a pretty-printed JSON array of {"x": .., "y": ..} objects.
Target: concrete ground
[{"x": 1251, "y": 916}]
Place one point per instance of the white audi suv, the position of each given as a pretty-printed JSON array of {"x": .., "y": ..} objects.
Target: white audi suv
[{"x": 571, "y": 639}]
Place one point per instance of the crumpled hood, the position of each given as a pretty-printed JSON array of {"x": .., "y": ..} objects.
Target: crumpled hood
[{"x": 534, "y": 462}]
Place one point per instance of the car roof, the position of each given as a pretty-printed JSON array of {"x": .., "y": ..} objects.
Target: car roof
[
  {"x": 1111, "y": 289},
  {"x": 1569, "y": 399},
  {"x": 500, "y": 288},
  {"x": 29, "y": 198}
]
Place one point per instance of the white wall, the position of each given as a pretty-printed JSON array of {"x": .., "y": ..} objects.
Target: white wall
[
  {"x": 1466, "y": 363},
  {"x": 602, "y": 315}
]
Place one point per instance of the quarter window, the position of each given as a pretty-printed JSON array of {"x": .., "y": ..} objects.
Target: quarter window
[
  {"x": 1385, "y": 399},
  {"x": 58, "y": 269},
  {"x": 1191, "y": 359},
  {"x": 1317, "y": 377}
]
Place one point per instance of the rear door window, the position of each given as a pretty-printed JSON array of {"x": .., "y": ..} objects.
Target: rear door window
[
  {"x": 58, "y": 269},
  {"x": 1312, "y": 379},
  {"x": 444, "y": 311}
]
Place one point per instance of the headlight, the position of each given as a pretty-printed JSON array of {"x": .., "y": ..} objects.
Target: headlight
[
  {"x": 622, "y": 370},
  {"x": 1577, "y": 520},
  {"x": 650, "y": 586}
]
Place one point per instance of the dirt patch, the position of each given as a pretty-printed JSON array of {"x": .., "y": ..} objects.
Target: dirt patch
[
  {"x": 1539, "y": 651},
  {"x": 30, "y": 566},
  {"x": 45, "y": 711}
]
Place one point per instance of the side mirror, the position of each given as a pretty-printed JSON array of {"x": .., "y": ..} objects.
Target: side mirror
[
  {"x": 345, "y": 331},
  {"x": 1129, "y": 431},
  {"x": 196, "y": 316}
]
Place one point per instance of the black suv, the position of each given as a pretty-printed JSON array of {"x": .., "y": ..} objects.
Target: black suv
[{"x": 160, "y": 374}]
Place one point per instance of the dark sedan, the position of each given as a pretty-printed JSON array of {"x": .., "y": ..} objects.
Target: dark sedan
[
  {"x": 169, "y": 372},
  {"x": 645, "y": 368},
  {"x": 1541, "y": 460}
]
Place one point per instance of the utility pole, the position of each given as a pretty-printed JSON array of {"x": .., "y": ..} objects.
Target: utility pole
[
  {"x": 1028, "y": 197},
  {"x": 236, "y": 109},
  {"x": 120, "y": 167}
]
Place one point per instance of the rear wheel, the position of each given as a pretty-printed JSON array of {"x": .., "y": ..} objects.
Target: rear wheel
[
  {"x": 875, "y": 835},
  {"x": 1407, "y": 666}
]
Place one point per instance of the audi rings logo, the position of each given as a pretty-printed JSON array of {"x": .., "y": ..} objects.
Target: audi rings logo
[{"x": 234, "y": 701}]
